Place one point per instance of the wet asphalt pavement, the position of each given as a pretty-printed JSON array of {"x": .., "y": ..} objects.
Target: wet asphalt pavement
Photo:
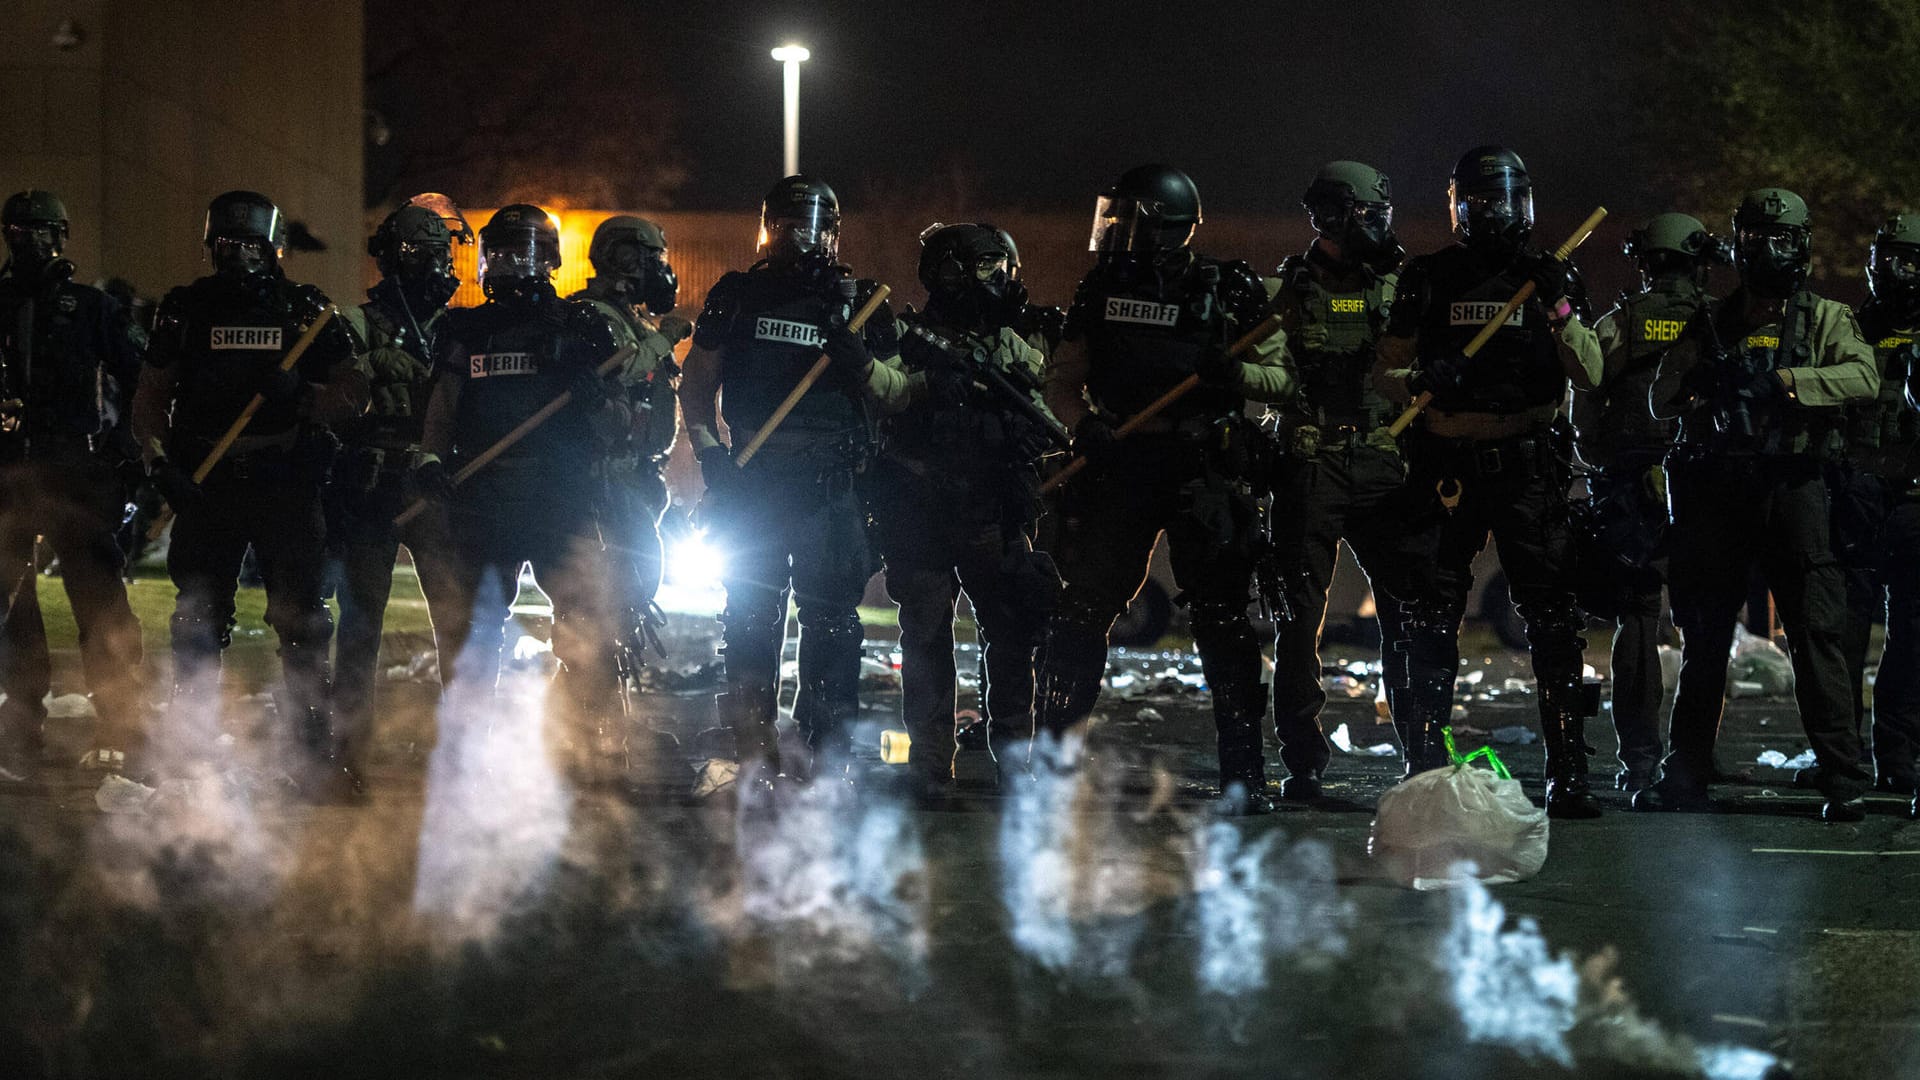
[{"x": 489, "y": 913}]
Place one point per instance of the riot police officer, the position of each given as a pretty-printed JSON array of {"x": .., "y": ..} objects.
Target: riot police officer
[
  {"x": 1756, "y": 381},
  {"x": 397, "y": 329},
  {"x": 1339, "y": 475},
  {"x": 68, "y": 362},
  {"x": 1626, "y": 445},
  {"x": 634, "y": 289},
  {"x": 1488, "y": 446},
  {"x": 955, "y": 496},
  {"x": 497, "y": 365},
  {"x": 216, "y": 344},
  {"x": 1876, "y": 519},
  {"x": 1150, "y": 313},
  {"x": 790, "y": 519}
]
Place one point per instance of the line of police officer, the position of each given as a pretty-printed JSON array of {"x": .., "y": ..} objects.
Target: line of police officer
[{"x": 922, "y": 447}]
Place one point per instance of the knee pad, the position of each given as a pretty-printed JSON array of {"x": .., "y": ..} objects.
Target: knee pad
[
  {"x": 201, "y": 632},
  {"x": 307, "y": 624}
]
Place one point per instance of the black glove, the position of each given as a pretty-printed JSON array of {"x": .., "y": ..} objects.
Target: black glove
[
  {"x": 281, "y": 386},
  {"x": 1217, "y": 367},
  {"x": 1093, "y": 437},
  {"x": 717, "y": 468},
  {"x": 589, "y": 389},
  {"x": 1763, "y": 388},
  {"x": 1439, "y": 373},
  {"x": 176, "y": 486},
  {"x": 947, "y": 384},
  {"x": 1549, "y": 275},
  {"x": 431, "y": 481},
  {"x": 850, "y": 357}
]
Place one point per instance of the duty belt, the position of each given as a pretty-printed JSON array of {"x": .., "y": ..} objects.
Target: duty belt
[{"x": 1481, "y": 457}]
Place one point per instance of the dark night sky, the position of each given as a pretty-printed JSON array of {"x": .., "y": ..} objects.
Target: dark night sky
[{"x": 1045, "y": 103}]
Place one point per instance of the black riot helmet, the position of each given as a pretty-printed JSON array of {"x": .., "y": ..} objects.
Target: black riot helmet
[
  {"x": 631, "y": 252},
  {"x": 1772, "y": 242},
  {"x": 35, "y": 222},
  {"x": 449, "y": 213},
  {"x": 1151, "y": 208},
  {"x": 1351, "y": 206},
  {"x": 1893, "y": 265},
  {"x": 414, "y": 250},
  {"x": 967, "y": 270},
  {"x": 800, "y": 223},
  {"x": 519, "y": 251},
  {"x": 1675, "y": 245},
  {"x": 1492, "y": 202},
  {"x": 245, "y": 235}
]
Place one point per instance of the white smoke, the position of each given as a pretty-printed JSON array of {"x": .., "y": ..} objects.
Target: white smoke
[{"x": 1259, "y": 900}]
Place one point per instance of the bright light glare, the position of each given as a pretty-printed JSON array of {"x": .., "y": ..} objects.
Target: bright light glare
[
  {"x": 696, "y": 561},
  {"x": 791, "y": 54}
]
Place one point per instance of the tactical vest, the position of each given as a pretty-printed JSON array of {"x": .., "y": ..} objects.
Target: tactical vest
[
  {"x": 228, "y": 339},
  {"x": 1649, "y": 324},
  {"x": 658, "y": 423},
  {"x": 399, "y": 379},
  {"x": 59, "y": 368},
  {"x": 1782, "y": 430},
  {"x": 775, "y": 332},
  {"x": 516, "y": 358},
  {"x": 1519, "y": 368},
  {"x": 1883, "y": 436},
  {"x": 971, "y": 437},
  {"x": 1144, "y": 335},
  {"x": 1336, "y": 378}
]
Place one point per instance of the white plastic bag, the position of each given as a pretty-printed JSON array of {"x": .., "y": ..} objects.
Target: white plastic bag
[{"x": 1428, "y": 823}]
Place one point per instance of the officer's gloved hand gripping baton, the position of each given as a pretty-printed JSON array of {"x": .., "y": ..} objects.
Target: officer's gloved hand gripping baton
[
  {"x": 806, "y": 382},
  {"x": 1133, "y": 423},
  {"x": 240, "y": 423},
  {"x": 1499, "y": 320},
  {"x": 485, "y": 457}
]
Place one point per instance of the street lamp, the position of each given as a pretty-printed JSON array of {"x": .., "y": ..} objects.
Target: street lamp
[{"x": 791, "y": 56}]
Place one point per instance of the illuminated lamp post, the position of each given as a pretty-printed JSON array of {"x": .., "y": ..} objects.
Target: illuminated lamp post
[{"x": 792, "y": 56}]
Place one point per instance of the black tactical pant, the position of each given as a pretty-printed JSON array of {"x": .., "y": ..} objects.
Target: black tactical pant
[
  {"x": 269, "y": 500},
  {"x": 1633, "y": 598},
  {"x": 1876, "y": 526},
  {"x": 633, "y": 496},
  {"x": 1731, "y": 513},
  {"x": 506, "y": 517},
  {"x": 939, "y": 539},
  {"x": 791, "y": 527},
  {"x": 363, "y": 544},
  {"x": 1112, "y": 515},
  {"x": 1513, "y": 491},
  {"x": 1357, "y": 493},
  {"x": 75, "y": 504}
]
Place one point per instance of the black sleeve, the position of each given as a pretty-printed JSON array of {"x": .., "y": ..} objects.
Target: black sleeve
[
  {"x": 168, "y": 340},
  {"x": 1410, "y": 300},
  {"x": 715, "y": 323},
  {"x": 1083, "y": 312}
]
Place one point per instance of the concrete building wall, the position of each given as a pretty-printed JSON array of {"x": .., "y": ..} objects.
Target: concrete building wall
[{"x": 164, "y": 104}]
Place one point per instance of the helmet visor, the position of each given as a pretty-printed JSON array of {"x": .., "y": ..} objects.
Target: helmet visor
[
  {"x": 1895, "y": 267},
  {"x": 1494, "y": 211},
  {"x": 1123, "y": 223},
  {"x": 512, "y": 254},
  {"x": 811, "y": 228},
  {"x": 456, "y": 222}
]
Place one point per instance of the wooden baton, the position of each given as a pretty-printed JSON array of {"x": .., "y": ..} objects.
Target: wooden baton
[
  {"x": 806, "y": 382},
  {"x": 1499, "y": 320},
  {"x": 520, "y": 431},
  {"x": 1159, "y": 405},
  {"x": 232, "y": 435}
]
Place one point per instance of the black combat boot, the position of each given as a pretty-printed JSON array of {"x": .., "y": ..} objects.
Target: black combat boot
[
  {"x": 1568, "y": 796},
  {"x": 1238, "y": 714}
]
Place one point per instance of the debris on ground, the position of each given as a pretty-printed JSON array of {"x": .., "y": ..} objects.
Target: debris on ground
[
  {"x": 1774, "y": 758},
  {"x": 1342, "y": 739},
  {"x": 1512, "y": 735},
  {"x": 1431, "y": 825},
  {"x": 1758, "y": 667}
]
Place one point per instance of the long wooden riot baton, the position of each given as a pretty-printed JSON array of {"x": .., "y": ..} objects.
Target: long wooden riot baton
[
  {"x": 806, "y": 382},
  {"x": 220, "y": 448},
  {"x": 1158, "y": 405},
  {"x": 1499, "y": 320},
  {"x": 520, "y": 431}
]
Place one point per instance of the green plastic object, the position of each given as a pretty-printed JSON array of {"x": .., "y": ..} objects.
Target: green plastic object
[{"x": 1493, "y": 760}]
